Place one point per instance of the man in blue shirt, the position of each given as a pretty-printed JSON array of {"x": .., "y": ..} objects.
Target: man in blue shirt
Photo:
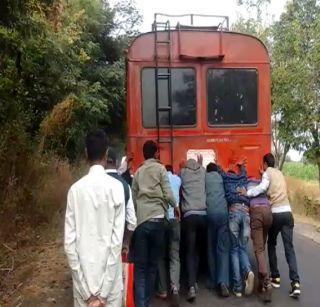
[
  {"x": 171, "y": 247},
  {"x": 239, "y": 224}
]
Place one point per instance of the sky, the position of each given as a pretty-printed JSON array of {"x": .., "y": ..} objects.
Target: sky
[{"x": 215, "y": 7}]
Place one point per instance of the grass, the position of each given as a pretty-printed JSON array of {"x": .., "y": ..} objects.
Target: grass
[{"x": 300, "y": 170}]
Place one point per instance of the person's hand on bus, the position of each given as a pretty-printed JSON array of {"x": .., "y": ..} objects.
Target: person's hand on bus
[
  {"x": 242, "y": 191},
  {"x": 200, "y": 159},
  {"x": 177, "y": 212},
  {"x": 130, "y": 157},
  {"x": 242, "y": 161},
  {"x": 182, "y": 165}
]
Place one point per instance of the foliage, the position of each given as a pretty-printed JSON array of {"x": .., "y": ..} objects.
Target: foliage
[
  {"x": 304, "y": 171},
  {"x": 296, "y": 82},
  {"x": 61, "y": 74}
]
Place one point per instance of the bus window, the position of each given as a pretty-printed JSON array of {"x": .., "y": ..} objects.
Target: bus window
[
  {"x": 232, "y": 96},
  {"x": 183, "y": 97}
]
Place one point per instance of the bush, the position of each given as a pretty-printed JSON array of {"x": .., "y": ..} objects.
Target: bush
[
  {"x": 301, "y": 170},
  {"x": 304, "y": 197}
]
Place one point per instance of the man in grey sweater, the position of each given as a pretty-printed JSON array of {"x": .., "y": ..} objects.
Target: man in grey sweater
[{"x": 193, "y": 205}]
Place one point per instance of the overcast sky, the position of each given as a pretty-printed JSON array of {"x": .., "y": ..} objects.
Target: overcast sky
[{"x": 215, "y": 7}]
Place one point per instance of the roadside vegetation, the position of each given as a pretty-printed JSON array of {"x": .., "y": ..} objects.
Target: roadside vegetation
[{"x": 300, "y": 170}]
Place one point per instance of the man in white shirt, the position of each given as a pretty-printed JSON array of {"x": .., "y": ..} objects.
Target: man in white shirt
[{"x": 94, "y": 226}]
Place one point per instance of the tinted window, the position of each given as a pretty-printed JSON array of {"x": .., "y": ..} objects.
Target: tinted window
[
  {"x": 183, "y": 97},
  {"x": 232, "y": 96}
]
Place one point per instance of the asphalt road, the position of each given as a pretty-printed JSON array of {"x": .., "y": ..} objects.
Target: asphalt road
[{"x": 308, "y": 257}]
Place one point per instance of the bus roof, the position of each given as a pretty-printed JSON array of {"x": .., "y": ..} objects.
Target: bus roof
[{"x": 194, "y": 45}]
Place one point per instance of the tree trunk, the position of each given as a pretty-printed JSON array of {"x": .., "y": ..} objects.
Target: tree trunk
[{"x": 284, "y": 155}]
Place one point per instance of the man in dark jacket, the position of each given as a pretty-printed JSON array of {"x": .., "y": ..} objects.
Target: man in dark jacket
[
  {"x": 193, "y": 205},
  {"x": 218, "y": 232}
]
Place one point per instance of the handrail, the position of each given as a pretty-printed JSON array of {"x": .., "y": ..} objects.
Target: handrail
[{"x": 225, "y": 19}]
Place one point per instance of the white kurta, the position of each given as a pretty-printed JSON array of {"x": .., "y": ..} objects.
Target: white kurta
[{"x": 94, "y": 226}]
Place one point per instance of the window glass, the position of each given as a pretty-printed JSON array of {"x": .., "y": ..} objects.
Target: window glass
[
  {"x": 183, "y": 97},
  {"x": 232, "y": 96}
]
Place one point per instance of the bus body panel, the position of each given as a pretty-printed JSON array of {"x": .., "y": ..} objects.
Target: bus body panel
[{"x": 229, "y": 142}]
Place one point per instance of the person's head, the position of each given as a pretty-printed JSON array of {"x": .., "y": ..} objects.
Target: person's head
[
  {"x": 169, "y": 168},
  {"x": 111, "y": 158},
  {"x": 268, "y": 161},
  {"x": 150, "y": 149},
  {"x": 212, "y": 167},
  {"x": 96, "y": 147}
]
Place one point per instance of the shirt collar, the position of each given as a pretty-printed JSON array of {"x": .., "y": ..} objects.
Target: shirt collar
[
  {"x": 96, "y": 169},
  {"x": 152, "y": 160}
]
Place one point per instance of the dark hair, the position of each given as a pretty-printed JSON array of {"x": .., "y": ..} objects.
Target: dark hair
[
  {"x": 149, "y": 149},
  {"x": 269, "y": 159},
  {"x": 212, "y": 167},
  {"x": 112, "y": 156},
  {"x": 169, "y": 168},
  {"x": 96, "y": 145}
]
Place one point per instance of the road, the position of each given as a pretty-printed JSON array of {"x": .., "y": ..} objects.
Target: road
[
  {"x": 50, "y": 284},
  {"x": 308, "y": 257}
]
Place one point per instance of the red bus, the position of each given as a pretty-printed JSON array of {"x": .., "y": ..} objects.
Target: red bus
[{"x": 199, "y": 90}]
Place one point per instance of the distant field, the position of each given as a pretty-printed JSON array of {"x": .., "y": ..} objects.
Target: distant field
[{"x": 300, "y": 170}]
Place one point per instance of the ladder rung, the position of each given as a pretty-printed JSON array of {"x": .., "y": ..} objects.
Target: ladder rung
[
  {"x": 164, "y": 76},
  {"x": 168, "y": 108},
  {"x": 163, "y": 42},
  {"x": 165, "y": 141}
]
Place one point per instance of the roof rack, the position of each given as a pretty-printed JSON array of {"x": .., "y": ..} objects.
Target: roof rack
[{"x": 188, "y": 22}]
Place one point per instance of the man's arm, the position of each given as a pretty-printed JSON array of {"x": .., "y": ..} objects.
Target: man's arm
[
  {"x": 261, "y": 188},
  {"x": 71, "y": 251},
  {"x": 131, "y": 218},
  {"x": 113, "y": 261},
  {"x": 135, "y": 190},
  {"x": 166, "y": 189}
]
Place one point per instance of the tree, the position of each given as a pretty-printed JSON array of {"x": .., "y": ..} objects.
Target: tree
[{"x": 296, "y": 76}]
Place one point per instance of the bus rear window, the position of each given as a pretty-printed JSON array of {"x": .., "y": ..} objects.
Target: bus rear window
[
  {"x": 232, "y": 96},
  {"x": 183, "y": 97}
]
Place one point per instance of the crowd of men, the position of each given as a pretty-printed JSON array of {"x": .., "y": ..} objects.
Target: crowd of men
[{"x": 106, "y": 219}]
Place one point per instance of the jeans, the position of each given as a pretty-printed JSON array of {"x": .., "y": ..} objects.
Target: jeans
[
  {"x": 148, "y": 244},
  {"x": 239, "y": 223},
  {"x": 194, "y": 227},
  {"x": 260, "y": 223},
  {"x": 218, "y": 248},
  {"x": 170, "y": 252},
  {"x": 284, "y": 223}
]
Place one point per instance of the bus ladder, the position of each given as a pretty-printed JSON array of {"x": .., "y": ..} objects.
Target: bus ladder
[{"x": 163, "y": 27}]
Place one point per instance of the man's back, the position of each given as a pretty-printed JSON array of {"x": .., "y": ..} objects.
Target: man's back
[
  {"x": 193, "y": 186},
  {"x": 216, "y": 200},
  {"x": 151, "y": 190},
  {"x": 95, "y": 212},
  {"x": 277, "y": 190}
]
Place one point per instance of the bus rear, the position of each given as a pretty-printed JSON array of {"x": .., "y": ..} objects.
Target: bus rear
[{"x": 199, "y": 90}]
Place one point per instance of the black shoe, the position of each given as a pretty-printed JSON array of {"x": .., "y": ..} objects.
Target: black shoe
[
  {"x": 275, "y": 282},
  {"x": 295, "y": 289},
  {"x": 175, "y": 298},
  {"x": 224, "y": 291},
  {"x": 266, "y": 293},
  {"x": 191, "y": 296}
]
